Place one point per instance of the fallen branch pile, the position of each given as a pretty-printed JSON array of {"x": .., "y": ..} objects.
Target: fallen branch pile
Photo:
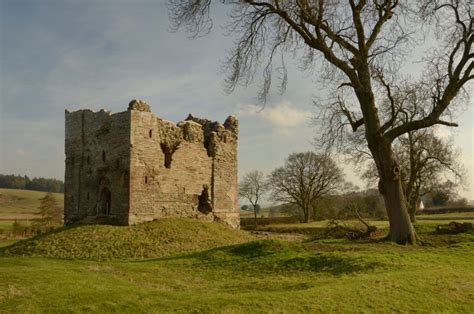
[
  {"x": 337, "y": 230},
  {"x": 455, "y": 227}
]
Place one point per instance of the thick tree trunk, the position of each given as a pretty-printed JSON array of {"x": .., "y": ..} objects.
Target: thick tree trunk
[
  {"x": 401, "y": 228},
  {"x": 390, "y": 186}
]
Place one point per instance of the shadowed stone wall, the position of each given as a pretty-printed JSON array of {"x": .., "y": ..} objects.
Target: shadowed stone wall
[{"x": 97, "y": 165}]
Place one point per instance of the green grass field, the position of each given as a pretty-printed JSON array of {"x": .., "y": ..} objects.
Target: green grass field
[
  {"x": 175, "y": 265},
  {"x": 263, "y": 276},
  {"x": 257, "y": 276}
]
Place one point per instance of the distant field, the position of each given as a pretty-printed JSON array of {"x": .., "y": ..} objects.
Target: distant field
[
  {"x": 438, "y": 218},
  {"x": 275, "y": 211},
  {"x": 21, "y": 205},
  {"x": 456, "y": 216}
]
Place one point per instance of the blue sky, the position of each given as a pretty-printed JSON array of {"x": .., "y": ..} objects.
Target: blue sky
[{"x": 101, "y": 54}]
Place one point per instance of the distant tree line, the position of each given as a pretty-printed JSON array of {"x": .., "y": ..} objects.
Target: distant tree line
[
  {"x": 25, "y": 183},
  {"x": 311, "y": 186},
  {"x": 369, "y": 204}
]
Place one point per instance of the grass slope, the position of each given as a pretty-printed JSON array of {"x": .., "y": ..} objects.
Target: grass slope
[
  {"x": 147, "y": 240},
  {"x": 261, "y": 276}
]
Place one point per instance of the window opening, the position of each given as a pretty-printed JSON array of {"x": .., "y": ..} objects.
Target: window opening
[
  {"x": 168, "y": 151},
  {"x": 205, "y": 205}
]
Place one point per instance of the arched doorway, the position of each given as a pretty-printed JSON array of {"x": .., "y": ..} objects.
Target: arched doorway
[{"x": 105, "y": 202}]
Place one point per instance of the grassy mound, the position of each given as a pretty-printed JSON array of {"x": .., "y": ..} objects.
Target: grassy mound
[{"x": 147, "y": 240}]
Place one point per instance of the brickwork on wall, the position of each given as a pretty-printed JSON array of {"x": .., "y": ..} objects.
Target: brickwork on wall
[{"x": 153, "y": 168}]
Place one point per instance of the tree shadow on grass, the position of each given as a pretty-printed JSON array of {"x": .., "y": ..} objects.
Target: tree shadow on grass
[
  {"x": 263, "y": 248},
  {"x": 271, "y": 256},
  {"x": 329, "y": 263}
]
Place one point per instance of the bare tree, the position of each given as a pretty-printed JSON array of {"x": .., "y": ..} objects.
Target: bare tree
[
  {"x": 252, "y": 188},
  {"x": 426, "y": 162},
  {"x": 425, "y": 159},
  {"x": 304, "y": 179},
  {"x": 358, "y": 43}
]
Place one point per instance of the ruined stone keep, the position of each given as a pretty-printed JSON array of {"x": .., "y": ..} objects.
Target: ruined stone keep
[{"x": 132, "y": 166}]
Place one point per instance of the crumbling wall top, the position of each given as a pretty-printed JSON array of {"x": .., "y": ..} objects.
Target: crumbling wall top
[
  {"x": 139, "y": 105},
  {"x": 231, "y": 124}
]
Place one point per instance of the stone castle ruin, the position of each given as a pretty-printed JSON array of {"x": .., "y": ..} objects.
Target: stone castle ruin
[{"x": 132, "y": 166}]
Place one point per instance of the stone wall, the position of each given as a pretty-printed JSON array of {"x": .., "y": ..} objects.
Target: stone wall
[
  {"x": 225, "y": 176},
  {"x": 132, "y": 167},
  {"x": 97, "y": 147},
  {"x": 174, "y": 165}
]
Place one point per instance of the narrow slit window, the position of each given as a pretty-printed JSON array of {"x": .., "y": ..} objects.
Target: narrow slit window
[
  {"x": 150, "y": 133},
  {"x": 104, "y": 157},
  {"x": 146, "y": 180}
]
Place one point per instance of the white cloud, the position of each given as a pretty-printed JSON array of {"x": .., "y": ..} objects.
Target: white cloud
[
  {"x": 283, "y": 115},
  {"x": 442, "y": 131},
  {"x": 21, "y": 153}
]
